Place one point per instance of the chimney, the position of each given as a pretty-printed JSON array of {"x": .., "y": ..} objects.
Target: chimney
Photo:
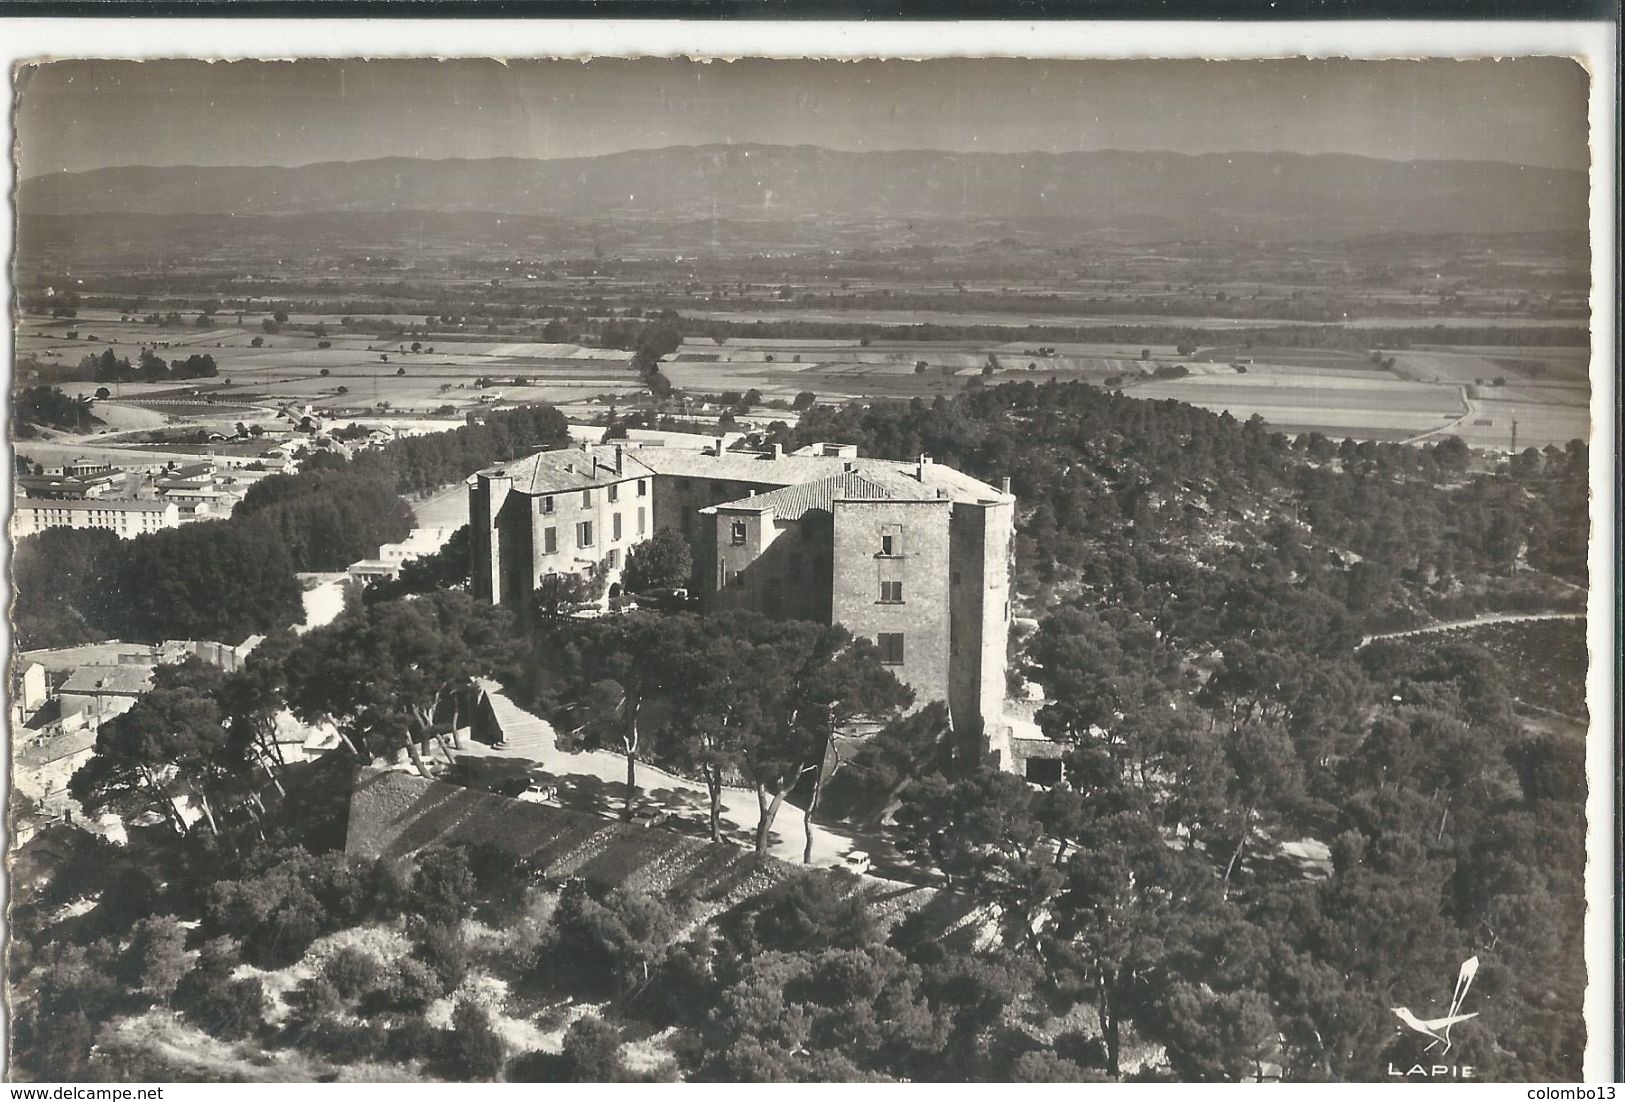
[
  {"x": 722, "y": 444},
  {"x": 586, "y": 445},
  {"x": 1004, "y": 484},
  {"x": 778, "y": 451},
  {"x": 569, "y": 468},
  {"x": 620, "y": 457},
  {"x": 919, "y": 468},
  {"x": 847, "y": 466}
]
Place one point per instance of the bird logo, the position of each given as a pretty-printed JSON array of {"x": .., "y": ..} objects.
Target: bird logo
[{"x": 1439, "y": 1028}]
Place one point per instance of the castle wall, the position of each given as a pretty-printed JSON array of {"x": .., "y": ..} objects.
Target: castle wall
[
  {"x": 920, "y": 562},
  {"x": 979, "y": 584},
  {"x": 486, "y": 497},
  {"x": 781, "y": 570},
  {"x": 678, "y": 500}
]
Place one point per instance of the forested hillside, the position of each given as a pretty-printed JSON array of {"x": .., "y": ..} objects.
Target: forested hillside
[
  {"x": 1200, "y": 587},
  {"x": 1269, "y": 835}
]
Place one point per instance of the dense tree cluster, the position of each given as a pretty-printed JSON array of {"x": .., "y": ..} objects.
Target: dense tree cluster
[
  {"x": 737, "y": 698},
  {"x": 326, "y": 516},
  {"x": 419, "y": 464},
  {"x": 36, "y": 406},
  {"x": 660, "y": 562},
  {"x": 220, "y": 580}
]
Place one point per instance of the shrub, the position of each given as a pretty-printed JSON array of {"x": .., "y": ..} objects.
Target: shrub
[
  {"x": 444, "y": 951},
  {"x": 351, "y": 972},
  {"x": 497, "y": 872},
  {"x": 443, "y": 886},
  {"x": 415, "y": 1039},
  {"x": 347, "y": 1042},
  {"x": 229, "y": 1009},
  {"x": 1045, "y": 1067},
  {"x": 536, "y": 1067},
  {"x": 157, "y": 957},
  {"x": 414, "y": 986},
  {"x": 317, "y": 998},
  {"x": 475, "y": 1049},
  {"x": 592, "y": 1052}
]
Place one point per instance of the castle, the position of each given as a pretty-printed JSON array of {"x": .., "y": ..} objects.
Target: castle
[{"x": 913, "y": 555}]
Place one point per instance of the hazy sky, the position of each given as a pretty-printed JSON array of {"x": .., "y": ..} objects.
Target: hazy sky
[{"x": 77, "y": 115}]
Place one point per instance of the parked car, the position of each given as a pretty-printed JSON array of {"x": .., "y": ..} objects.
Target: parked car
[
  {"x": 856, "y": 862},
  {"x": 649, "y": 815},
  {"x": 666, "y": 600},
  {"x": 540, "y": 791}
]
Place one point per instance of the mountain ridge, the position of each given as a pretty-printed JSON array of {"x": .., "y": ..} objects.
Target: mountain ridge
[{"x": 1267, "y": 194}]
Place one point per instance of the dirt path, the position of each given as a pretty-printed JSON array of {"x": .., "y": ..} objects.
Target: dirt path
[
  {"x": 1468, "y": 409},
  {"x": 1477, "y": 621}
]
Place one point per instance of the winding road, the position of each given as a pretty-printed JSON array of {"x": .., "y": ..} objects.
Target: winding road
[{"x": 1477, "y": 621}]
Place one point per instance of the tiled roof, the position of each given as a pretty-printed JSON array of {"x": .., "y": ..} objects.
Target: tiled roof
[
  {"x": 794, "y": 502},
  {"x": 565, "y": 469},
  {"x": 124, "y": 680},
  {"x": 574, "y": 469}
]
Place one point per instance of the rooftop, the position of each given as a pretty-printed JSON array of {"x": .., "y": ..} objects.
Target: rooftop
[
  {"x": 794, "y": 502},
  {"x": 579, "y": 468},
  {"x": 128, "y": 680},
  {"x": 565, "y": 469}
]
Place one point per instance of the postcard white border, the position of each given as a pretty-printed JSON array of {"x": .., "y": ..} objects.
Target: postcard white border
[{"x": 1595, "y": 43}]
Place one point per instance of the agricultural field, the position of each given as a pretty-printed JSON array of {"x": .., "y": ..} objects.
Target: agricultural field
[
  {"x": 355, "y": 373},
  {"x": 477, "y": 311}
]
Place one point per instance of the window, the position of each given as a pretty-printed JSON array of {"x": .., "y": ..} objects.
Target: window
[
  {"x": 547, "y": 504},
  {"x": 891, "y": 593},
  {"x": 615, "y": 526},
  {"x": 891, "y": 648},
  {"x": 643, "y": 487},
  {"x": 891, "y": 541},
  {"x": 643, "y": 521},
  {"x": 550, "y": 540},
  {"x": 614, "y": 491},
  {"x": 738, "y": 535},
  {"x": 584, "y": 534},
  {"x": 614, "y": 558},
  {"x": 586, "y": 498}
]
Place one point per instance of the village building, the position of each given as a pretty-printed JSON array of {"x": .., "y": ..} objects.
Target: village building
[
  {"x": 915, "y": 556},
  {"x": 126, "y": 519},
  {"x": 104, "y": 691}
]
